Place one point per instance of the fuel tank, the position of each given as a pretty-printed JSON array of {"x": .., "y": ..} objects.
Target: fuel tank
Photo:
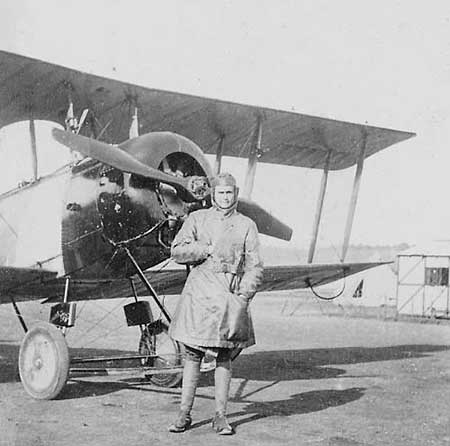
[{"x": 105, "y": 208}]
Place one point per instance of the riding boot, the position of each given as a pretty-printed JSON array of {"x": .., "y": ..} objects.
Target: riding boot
[
  {"x": 191, "y": 374},
  {"x": 222, "y": 378}
]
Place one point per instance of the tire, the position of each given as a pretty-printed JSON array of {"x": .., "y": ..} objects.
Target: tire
[
  {"x": 44, "y": 361},
  {"x": 155, "y": 340}
]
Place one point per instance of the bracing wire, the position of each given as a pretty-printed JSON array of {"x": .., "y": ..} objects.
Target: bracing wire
[
  {"x": 310, "y": 286},
  {"x": 97, "y": 322},
  {"x": 163, "y": 297},
  {"x": 316, "y": 294}
]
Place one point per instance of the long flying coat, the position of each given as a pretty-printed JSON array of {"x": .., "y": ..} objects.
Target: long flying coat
[{"x": 211, "y": 311}]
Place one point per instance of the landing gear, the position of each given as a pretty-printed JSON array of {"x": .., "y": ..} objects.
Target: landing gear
[
  {"x": 166, "y": 355},
  {"x": 45, "y": 365},
  {"x": 44, "y": 361}
]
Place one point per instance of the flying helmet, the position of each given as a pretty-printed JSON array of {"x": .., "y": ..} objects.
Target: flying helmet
[{"x": 223, "y": 179}]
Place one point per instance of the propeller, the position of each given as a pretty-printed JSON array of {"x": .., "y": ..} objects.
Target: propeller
[
  {"x": 190, "y": 188},
  {"x": 114, "y": 156},
  {"x": 266, "y": 223}
]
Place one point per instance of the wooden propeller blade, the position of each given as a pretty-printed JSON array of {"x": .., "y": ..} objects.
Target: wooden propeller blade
[
  {"x": 267, "y": 224},
  {"x": 116, "y": 157}
]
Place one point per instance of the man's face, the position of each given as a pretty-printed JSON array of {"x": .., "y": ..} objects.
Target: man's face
[{"x": 224, "y": 196}]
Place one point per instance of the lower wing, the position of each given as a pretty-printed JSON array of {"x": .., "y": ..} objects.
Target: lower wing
[
  {"x": 311, "y": 275},
  {"x": 14, "y": 281},
  {"x": 25, "y": 284}
]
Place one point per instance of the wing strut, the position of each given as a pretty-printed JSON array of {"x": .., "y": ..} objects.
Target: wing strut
[
  {"x": 134, "y": 126},
  {"x": 354, "y": 197},
  {"x": 320, "y": 200},
  {"x": 147, "y": 284},
  {"x": 255, "y": 153},
  {"x": 19, "y": 314},
  {"x": 219, "y": 153},
  {"x": 33, "y": 148}
]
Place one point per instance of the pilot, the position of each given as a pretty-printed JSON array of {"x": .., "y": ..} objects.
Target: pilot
[{"x": 222, "y": 247}]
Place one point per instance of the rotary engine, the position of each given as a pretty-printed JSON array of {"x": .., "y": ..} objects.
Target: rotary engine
[{"x": 131, "y": 205}]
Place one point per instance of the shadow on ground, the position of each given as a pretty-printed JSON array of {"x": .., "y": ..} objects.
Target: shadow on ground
[
  {"x": 83, "y": 389},
  {"x": 301, "y": 403},
  {"x": 286, "y": 365},
  {"x": 9, "y": 356},
  {"x": 272, "y": 366}
]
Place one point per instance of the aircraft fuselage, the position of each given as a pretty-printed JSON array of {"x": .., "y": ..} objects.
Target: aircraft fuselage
[{"x": 73, "y": 222}]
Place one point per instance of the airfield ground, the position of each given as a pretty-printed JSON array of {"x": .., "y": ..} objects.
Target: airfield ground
[{"x": 312, "y": 379}]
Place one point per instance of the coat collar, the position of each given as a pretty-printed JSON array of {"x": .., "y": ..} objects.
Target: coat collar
[{"x": 224, "y": 213}]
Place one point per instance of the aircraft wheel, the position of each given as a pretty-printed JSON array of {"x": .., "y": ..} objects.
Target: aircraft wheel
[
  {"x": 155, "y": 340},
  {"x": 44, "y": 361}
]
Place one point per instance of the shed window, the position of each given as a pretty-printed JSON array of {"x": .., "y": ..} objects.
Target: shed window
[{"x": 436, "y": 276}]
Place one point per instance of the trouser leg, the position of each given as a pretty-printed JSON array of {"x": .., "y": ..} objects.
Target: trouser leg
[
  {"x": 222, "y": 379},
  {"x": 191, "y": 375}
]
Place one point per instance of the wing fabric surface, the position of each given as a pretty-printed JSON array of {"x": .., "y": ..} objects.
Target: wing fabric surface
[
  {"x": 13, "y": 279},
  {"x": 276, "y": 278},
  {"x": 30, "y": 86},
  {"x": 29, "y": 284},
  {"x": 303, "y": 276}
]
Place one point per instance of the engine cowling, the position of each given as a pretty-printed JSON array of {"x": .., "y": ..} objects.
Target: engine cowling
[{"x": 106, "y": 207}]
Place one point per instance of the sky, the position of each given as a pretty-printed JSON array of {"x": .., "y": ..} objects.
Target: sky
[{"x": 385, "y": 63}]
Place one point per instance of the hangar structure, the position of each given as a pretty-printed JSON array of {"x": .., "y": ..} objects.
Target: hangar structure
[{"x": 423, "y": 280}]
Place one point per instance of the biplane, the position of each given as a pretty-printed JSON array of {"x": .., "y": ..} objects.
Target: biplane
[{"x": 138, "y": 169}]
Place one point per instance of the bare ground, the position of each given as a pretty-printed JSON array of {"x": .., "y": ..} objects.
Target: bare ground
[{"x": 311, "y": 379}]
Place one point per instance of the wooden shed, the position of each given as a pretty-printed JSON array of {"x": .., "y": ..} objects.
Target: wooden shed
[{"x": 423, "y": 280}]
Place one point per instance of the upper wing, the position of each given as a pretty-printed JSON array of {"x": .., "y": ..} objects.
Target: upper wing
[{"x": 33, "y": 87}]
